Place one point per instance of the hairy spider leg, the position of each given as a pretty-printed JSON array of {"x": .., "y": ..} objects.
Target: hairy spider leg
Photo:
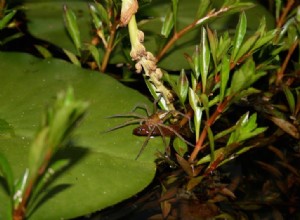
[
  {"x": 145, "y": 143},
  {"x": 176, "y": 133},
  {"x": 130, "y": 122}
]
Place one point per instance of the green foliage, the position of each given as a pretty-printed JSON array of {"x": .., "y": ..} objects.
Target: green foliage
[{"x": 231, "y": 69}]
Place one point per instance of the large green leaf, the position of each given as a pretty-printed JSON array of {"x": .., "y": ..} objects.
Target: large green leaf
[{"x": 104, "y": 171}]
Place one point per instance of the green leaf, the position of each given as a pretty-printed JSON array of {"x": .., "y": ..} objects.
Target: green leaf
[
  {"x": 225, "y": 70},
  {"x": 290, "y": 98},
  {"x": 7, "y": 173},
  {"x": 246, "y": 128},
  {"x": 182, "y": 87},
  {"x": 203, "y": 8},
  {"x": 244, "y": 77},
  {"x": 204, "y": 58},
  {"x": 103, "y": 171},
  {"x": 72, "y": 27},
  {"x": 168, "y": 24},
  {"x": 195, "y": 102},
  {"x": 239, "y": 36},
  {"x": 180, "y": 146},
  {"x": 213, "y": 44},
  {"x": 7, "y": 18},
  {"x": 175, "y": 13},
  {"x": 102, "y": 12}
]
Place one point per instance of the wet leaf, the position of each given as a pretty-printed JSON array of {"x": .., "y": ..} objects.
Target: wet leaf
[
  {"x": 180, "y": 146},
  {"x": 72, "y": 27},
  {"x": 239, "y": 36},
  {"x": 204, "y": 61},
  {"x": 185, "y": 165},
  {"x": 168, "y": 24},
  {"x": 225, "y": 69},
  {"x": 102, "y": 164}
]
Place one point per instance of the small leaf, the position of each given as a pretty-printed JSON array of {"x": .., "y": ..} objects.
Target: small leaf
[
  {"x": 175, "y": 10},
  {"x": 7, "y": 173},
  {"x": 185, "y": 165},
  {"x": 204, "y": 59},
  {"x": 213, "y": 44},
  {"x": 203, "y": 8},
  {"x": 102, "y": 12},
  {"x": 239, "y": 36},
  {"x": 182, "y": 87},
  {"x": 180, "y": 146},
  {"x": 72, "y": 57},
  {"x": 72, "y": 27},
  {"x": 6, "y": 19},
  {"x": 168, "y": 24},
  {"x": 96, "y": 20},
  {"x": 290, "y": 98},
  {"x": 95, "y": 53},
  {"x": 225, "y": 69},
  {"x": 194, "y": 102}
]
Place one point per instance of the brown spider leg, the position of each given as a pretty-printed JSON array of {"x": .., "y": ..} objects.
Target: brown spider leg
[
  {"x": 185, "y": 116},
  {"x": 142, "y": 106},
  {"x": 130, "y": 122},
  {"x": 176, "y": 133},
  {"x": 127, "y": 115},
  {"x": 167, "y": 148},
  {"x": 145, "y": 143}
]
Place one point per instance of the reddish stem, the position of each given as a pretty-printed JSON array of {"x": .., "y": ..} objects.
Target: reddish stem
[
  {"x": 285, "y": 12},
  {"x": 285, "y": 63},
  {"x": 210, "y": 122}
]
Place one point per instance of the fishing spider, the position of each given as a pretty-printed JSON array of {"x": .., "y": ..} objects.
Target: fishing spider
[{"x": 151, "y": 125}]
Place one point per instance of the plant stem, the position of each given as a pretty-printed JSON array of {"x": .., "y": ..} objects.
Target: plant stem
[
  {"x": 109, "y": 47},
  {"x": 20, "y": 212},
  {"x": 179, "y": 34},
  {"x": 285, "y": 12},
  {"x": 285, "y": 63},
  {"x": 210, "y": 122}
]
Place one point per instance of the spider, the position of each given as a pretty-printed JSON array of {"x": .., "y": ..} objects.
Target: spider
[{"x": 152, "y": 125}]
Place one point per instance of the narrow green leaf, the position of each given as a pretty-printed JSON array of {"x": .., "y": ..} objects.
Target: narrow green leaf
[
  {"x": 73, "y": 58},
  {"x": 162, "y": 103},
  {"x": 204, "y": 58},
  {"x": 202, "y": 8},
  {"x": 43, "y": 51},
  {"x": 182, "y": 87},
  {"x": 213, "y": 44},
  {"x": 7, "y": 173},
  {"x": 290, "y": 98},
  {"x": 205, "y": 102},
  {"x": 194, "y": 102},
  {"x": 247, "y": 46},
  {"x": 239, "y": 36},
  {"x": 96, "y": 20},
  {"x": 263, "y": 40},
  {"x": 6, "y": 19},
  {"x": 223, "y": 46},
  {"x": 175, "y": 11},
  {"x": 20, "y": 187},
  {"x": 102, "y": 12},
  {"x": 225, "y": 70},
  {"x": 196, "y": 62},
  {"x": 168, "y": 24},
  {"x": 95, "y": 53},
  {"x": 72, "y": 27}
]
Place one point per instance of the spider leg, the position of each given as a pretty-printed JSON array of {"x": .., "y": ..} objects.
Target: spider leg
[
  {"x": 176, "y": 133},
  {"x": 145, "y": 143},
  {"x": 127, "y": 115},
  {"x": 142, "y": 106},
  {"x": 185, "y": 116},
  {"x": 133, "y": 121},
  {"x": 167, "y": 148}
]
